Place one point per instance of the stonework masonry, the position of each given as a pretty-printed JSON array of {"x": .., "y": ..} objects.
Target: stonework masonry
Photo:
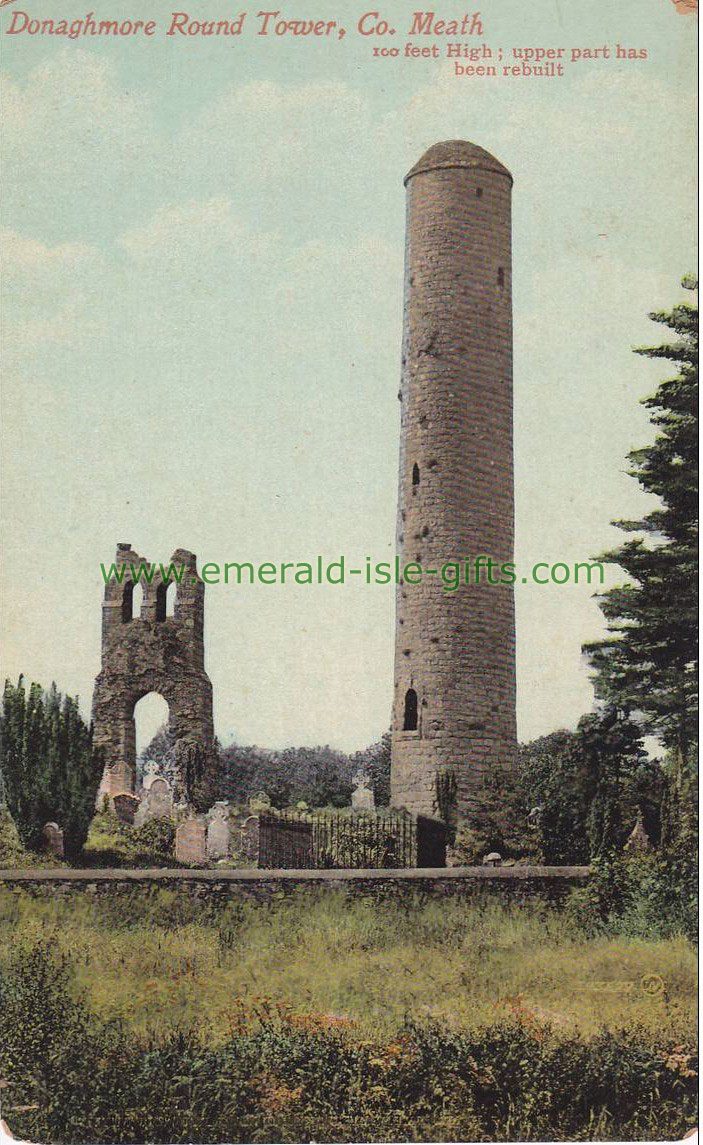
[
  {"x": 152, "y": 652},
  {"x": 454, "y": 688},
  {"x": 475, "y": 884}
]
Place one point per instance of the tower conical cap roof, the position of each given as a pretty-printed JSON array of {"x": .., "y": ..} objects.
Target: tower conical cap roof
[{"x": 457, "y": 153}]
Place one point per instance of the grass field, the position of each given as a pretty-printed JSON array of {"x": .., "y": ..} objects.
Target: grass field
[
  {"x": 366, "y": 963},
  {"x": 151, "y": 1017}
]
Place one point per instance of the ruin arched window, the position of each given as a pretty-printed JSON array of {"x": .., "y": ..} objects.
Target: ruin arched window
[
  {"x": 410, "y": 714},
  {"x": 127, "y": 601},
  {"x": 162, "y": 601},
  {"x": 416, "y": 474}
]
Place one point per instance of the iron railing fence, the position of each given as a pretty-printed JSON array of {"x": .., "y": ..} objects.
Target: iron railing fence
[{"x": 333, "y": 840}]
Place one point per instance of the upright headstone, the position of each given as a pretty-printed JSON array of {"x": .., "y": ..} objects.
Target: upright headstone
[
  {"x": 218, "y": 835},
  {"x": 160, "y": 799},
  {"x": 142, "y": 813},
  {"x": 126, "y": 805},
  {"x": 259, "y": 802},
  {"x": 151, "y": 771},
  {"x": 250, "y": 838},
  {"x": 362, "y": 796},
  {"x": 53, "y": 838},
  {"x": 190, "y": 842}
]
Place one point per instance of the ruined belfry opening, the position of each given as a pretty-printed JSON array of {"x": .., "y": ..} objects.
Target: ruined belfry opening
[
  {"x": 410, "y": 713},
  {"x": 127, "y": 601},
  {"x": 165, "y": 597}
]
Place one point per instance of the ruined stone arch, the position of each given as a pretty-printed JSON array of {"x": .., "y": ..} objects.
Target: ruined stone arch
[{"x": 151, "y": 653}]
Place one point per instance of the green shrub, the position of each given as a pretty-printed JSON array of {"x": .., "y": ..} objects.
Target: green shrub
[
  {"x": 12, "y": 853},
  {"x": 282, "y": 1076},
  {"x": 648, "y": 896},
  {"x": 153, "y": 841}
]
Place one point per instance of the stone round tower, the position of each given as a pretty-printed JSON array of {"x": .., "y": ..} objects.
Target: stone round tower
[{"x": 454, "y": 699}]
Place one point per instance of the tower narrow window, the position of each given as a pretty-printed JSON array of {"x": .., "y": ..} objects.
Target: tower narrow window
[
  {"x": 416, "y": 474},
  {"x": 501, "y": 277},
  {"x": 410, "y": 714},
  {"x": 127, "y": 601}
]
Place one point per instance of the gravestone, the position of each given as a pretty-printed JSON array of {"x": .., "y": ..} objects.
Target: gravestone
[
  {"x": 126, "y": 805},
  {"x": 190, "y": 842},
  {"x": 362, "y": 797},
  {"x": 150, "y": 773},
  {"x": 259, "y": 802},
  {"x": 218, "y": 835},
  {"x": 250, "y": 838},
  {"x": 142, "y": 813},
  {"x": 53, "y": 838},
  {"x": 160, "y": 799}
]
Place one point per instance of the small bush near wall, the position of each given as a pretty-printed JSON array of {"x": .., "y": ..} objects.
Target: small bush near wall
[{"x": 651, "y": 896}]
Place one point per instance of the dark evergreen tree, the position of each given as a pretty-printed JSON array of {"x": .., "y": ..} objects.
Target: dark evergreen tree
[
  {"x": 613, "y": 755},
  {"x": 647, "y": 666},
  {"x": 200, "y": 770},
  {"x": 50, "y": 769}
]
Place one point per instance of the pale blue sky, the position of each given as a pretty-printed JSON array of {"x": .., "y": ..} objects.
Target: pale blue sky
[{"x": 202, "y": 314}]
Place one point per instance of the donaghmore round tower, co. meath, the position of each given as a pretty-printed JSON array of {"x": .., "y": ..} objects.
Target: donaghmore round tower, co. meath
[{"x": 454, "y": 687}]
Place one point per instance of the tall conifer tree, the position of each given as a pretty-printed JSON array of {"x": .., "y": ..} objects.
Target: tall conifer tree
[{"x": 647, "y": 665}]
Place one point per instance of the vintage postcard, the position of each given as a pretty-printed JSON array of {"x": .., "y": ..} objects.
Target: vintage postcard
[{"x": 348, "y": 787}]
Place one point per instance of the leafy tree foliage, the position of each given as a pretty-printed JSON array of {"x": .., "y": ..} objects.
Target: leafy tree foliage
[
  {"x": 50, "y": 769},
  {"x": 375, "y": 761},
  {"x": 498, "y": 821},
  {"x": 319, "y": 776},
  {"x": 587, "y": 787},
  {"x": 201, "y": 776},
  {"x": 647, "y": 666}
]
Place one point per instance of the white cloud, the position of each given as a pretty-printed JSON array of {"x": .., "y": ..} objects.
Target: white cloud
[
  {"x": 46, "y": 292},
  {"x": 30, "y": 254},
  {"x": 188, "y": 234}
]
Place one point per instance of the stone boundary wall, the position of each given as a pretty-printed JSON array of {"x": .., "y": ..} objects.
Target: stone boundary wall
[{"x": 513, "y": 884}]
